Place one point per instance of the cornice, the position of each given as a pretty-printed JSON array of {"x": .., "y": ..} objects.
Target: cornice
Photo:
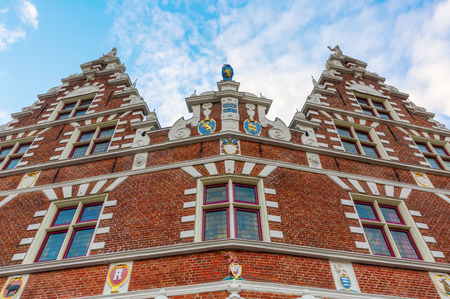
[
  {"x": 217, "y": 245},
  {"x": 198, "y": 161},
  {"x": 309, "y": 105},
  {"x": 55, "y": 123}
]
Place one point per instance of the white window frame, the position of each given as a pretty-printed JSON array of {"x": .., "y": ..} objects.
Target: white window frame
[
  {"x": 46, "y": 227},
  {"x": 73, "y": 141},
  {"x": 431, "y": 144},
  {"x": 374, "y": 99},
  {"x": 409, "y": 224},
  {"x": 14, "y": 145},
  {"x": 230, "y": 180},
  {"x": 77, "y": 100}
]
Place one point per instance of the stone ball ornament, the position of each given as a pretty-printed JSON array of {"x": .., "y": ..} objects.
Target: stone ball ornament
[{"x": 227, "y": 72}]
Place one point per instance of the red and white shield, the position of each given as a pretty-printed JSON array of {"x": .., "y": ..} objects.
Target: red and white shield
[{"x": 236, "y": 270}]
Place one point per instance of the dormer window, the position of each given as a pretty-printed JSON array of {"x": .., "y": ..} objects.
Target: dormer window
[
  {"x": 72, "y": 109},
  {"x": 374, "y": 107}
]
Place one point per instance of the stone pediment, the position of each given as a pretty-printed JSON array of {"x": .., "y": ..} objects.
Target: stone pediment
[
  {"x": 367, "y": 90},
  {"x": 82, "y": 91}
]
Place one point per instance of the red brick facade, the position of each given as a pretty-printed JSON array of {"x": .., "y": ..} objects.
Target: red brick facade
[{"x": 151, "y": 184}]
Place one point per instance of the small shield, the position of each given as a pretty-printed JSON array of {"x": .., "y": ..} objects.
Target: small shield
[
  {"x": 345, "y": 281},
  {"x": 236, "y": 270},
  {"x": 117, "y": 276},
  {"x": 12, "y": 288}
]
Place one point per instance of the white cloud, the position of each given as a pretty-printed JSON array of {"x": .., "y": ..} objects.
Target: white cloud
[
  {"x": 4, "y": 10},
  {"x": 29, "y": 14},
  {"x": 274, "y": 47},
  {"x": 5, "y": 116},
  {"x": 8, "y": 37}
]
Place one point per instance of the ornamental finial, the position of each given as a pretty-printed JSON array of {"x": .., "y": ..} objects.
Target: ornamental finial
[{"x": 227, "y": 72}]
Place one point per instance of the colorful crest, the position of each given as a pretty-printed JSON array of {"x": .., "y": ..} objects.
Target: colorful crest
[
  {"x": 236, "y": 270},
  {"x": 252, "y": 126},
  {"x": 117, "y": 276},
  {"x": 345, "y": 281},
  {"x": 207, "y": 126},
  {"x": 12, "y": 287},
  {"x": 443, "y": 284},
  {"x": 227, "y": 72},
  {"x": 422, "y": 179},
  {"x": 230, "y": 146}
]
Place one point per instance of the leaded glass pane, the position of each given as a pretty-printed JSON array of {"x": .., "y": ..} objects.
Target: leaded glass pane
[
  {"x": 391, "y": 215},
  {"x": 100, "y": 147},
  {"x": 384, "y": 115},
  {"x": 378, "y": 105},
  {"x": 216, "y": 225},
  {"x": 64, "y": 216},
  {"x": 216, "y": 194},
  {"x": 79, "y": 151},
  {"x": 370, "y": 151},
  {"x": 447, "y": 163},
  {"x": 86, "y": 136},
  {"x": 13, "y": 163},
  {"x": 80, "y": 242},
  {"x": 106, "y": 133},
  {"x": 86, "y": 103},
  {"x": 247, "y": 225},
  {"x": 63, "y": 115},
  {"x": 90, "y": 213},
  {"x": 350, "y": 147},
  {"x": 433, "y": 163},
  {"x": 423, "y": 148},
  {"x": 80, "y": 112},
  {"x": 367, "y": 111},
  {"x": 365, "y": 211},
  {"x": 404, "y": 244},
  {"x": 69, "y": 106},
  {"x": 362, "y": 102},
  {"x": 5, "y": 151},
  {"x": 440, "y": 151},
  {"x": 377, "y": 241},
  {"x": 344, "y": 132},
  {"x": 23, "y": 148},
  {"x": 52, "y": 247},
  {"x": 363, "y": 136},
  {"x": 245, "y": 194}
]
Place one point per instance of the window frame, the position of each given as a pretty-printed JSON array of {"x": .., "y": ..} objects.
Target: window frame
[
  {"x": 360, "y": 144},
  {"x": 407, "y": 225},
  {"x": 14, "y": 154},
  {"x": 370, "y": 106},
  {"x": 48, "y": 228},
  {"x": 77, "y": 101},
  {"x": 431, "y": 153},
  {"x": 231, "y": 205}
]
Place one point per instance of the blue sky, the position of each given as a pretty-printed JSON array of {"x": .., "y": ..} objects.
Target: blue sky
[{"x": 175, "y": 47}]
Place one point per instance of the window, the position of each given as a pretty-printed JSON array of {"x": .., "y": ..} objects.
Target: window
[
  {"x": 12, "y": 152},
  {"x": 231, "y": 209},
  {"x": 375, "y": 107},
  {"x": 359, "y": 141},
  {"x": 70, "y": 230},
  {"x": 388, "y": 228},
  {"x": 74, "y": 108},
  {"x": 437, "y": 153},
  {"x": 93, "y": 140}
]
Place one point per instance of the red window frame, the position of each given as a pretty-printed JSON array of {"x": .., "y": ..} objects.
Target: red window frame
[
  {"x": 215, "y": 202},
  {"x": 57, "y": 214},
  {"x": 385, "y": 239},
  {"x": 71, "y": 241},
  {"x": 246, "y": 202},
  {"x": 412, "y": 242},
  {"x": 204, "y": 222},
  {"x": 45, "y": 242},
  {"x": 371, "y": 206},
  {"x": 396, "y": 211},
  {"x": 258, "y": 218},
  {"x": 82, "y": 211}
]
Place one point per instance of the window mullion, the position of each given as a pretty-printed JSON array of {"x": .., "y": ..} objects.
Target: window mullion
[{"x": 231, "y": 212}]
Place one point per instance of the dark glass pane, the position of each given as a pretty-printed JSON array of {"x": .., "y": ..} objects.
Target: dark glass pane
[
  {"x": 433, "y": 163},
  {"x": 370, "y": 151},
  {"x": 362, "y": 102},
  {"x": 363, "y": 136},
  {"x": 377, "y": 241},
  {"x": 86, "y": 136},
  {"x": 247, "y": 225},
  {"x": 350, "y": 147},
  {"x": 5, "y": 151},
  {"x": 80, "y": 112},
  {"x": 423, "y": 148},
  {"x": 365, "y": 211},
  {"x": 63, "y": 115},
  {"x": 216, "y": 225},
  {"x": 100, "y": 147},
  {"x": 440, "y": 151},
  {"x": 80, "y": 242},
  {"x": 69, "y": 106},
  {"x": 86, "y": 103},
  {"x": 106, "y": 133},
  {"x": 245, "y": 194},
  {"x": 23, "y": 148},
  {"x": 367, "y": 111},
  {"x": 90, "y": 213},
  {"x": 344, "y": 132},
  {"x": 52, "y": 247},
  {"x": 384, "y": 115},
  {"x": 64, "y": 216},
  {"x": 79, "y": 151},
  {"x": 378, "y": 105},
  {"x": 404, "y": 244},
  {"x": 391, "y": 215},
  {"x": 216, "y": 194},
  {"x": 447, "y": 163},
  {"x": 12, "y": 163}
]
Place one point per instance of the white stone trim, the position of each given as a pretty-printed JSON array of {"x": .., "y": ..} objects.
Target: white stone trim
[
  {"x": 190, "y": 191},
  {"x": 338, "y": 181},
  {"x": 211, "y": 168},
  {"x": 82, "y": 189},
  {"x": 26, "y": 241},
  {"x": 349, "y": 215},
  {"x": 40, "y": 213},
  {"x": 267, "y": 171},
  {"x": 347, "y": 202},
  {"x": 429, "y": 239},
  {"x": 189, "y": 218},
  {"x": 18, "y": 256},
  {"x": 389, "y": 190},
  {"x": 97, "y": 245},
  {"x": 116, "y": 183},
  {"x": 34, "y": 226},
  {"x": 248, "y": 167},
  {"x": 192, "y": 171},
  {"x": 189, "y": 204},
  {"x": 106, "y": 216},
  {"x": 422, "y": 225},
  {"x": 98, "y": 186},
  {"x": 229, "y": 166},
  {"x": 273, "y": 218},
  {"x": 356, "y": 230},
  {"x": 270, "y": 191},
  {"x": 415, "y": 213},
  {"x": 373, "y": 188},
  {"x": 67, "y": 191},
  {"x": 439, "y": 254},
  {"x": 276, "y": 234},
  {"x": 362, "y": 245},
  {"x": 357, "y": 186},
  {"x": 102, "y": 230},
  {"x": 50, "y": 193},
  {"x": 271, "y": 204},
  {"x": 187, "y": 234}
]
